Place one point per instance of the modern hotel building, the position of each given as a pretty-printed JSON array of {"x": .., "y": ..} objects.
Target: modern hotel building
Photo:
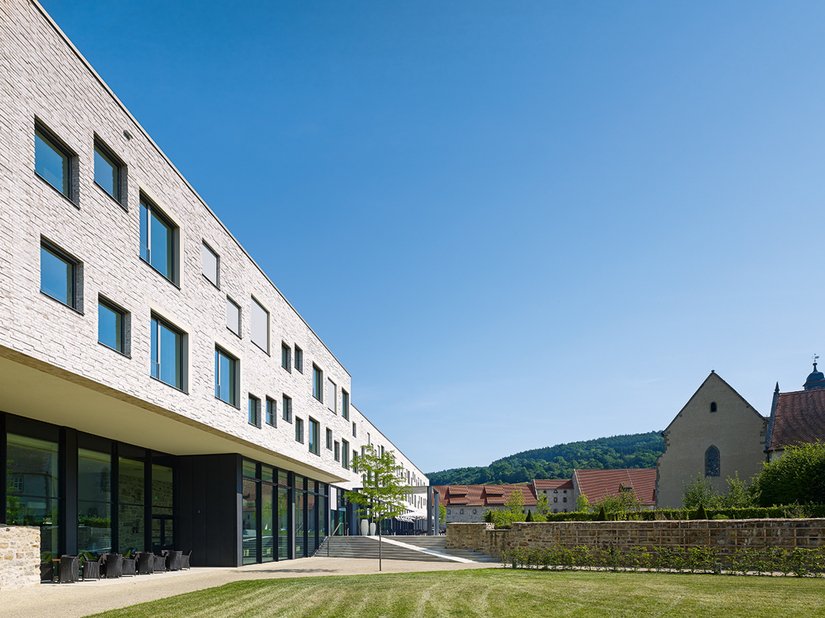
[{"x": 156, "y": 389}]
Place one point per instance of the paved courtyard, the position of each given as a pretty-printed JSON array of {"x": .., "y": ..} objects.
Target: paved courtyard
[{"x": 84, "y": 598}]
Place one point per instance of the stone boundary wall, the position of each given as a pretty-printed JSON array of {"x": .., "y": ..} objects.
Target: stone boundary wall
[
  {"x": 19, "y": 557},
  {"x": 727, "y": 534}
]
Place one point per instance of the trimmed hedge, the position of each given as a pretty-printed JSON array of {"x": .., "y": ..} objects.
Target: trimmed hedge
[
  {"x": 705, "y": 559},
  {"x": 771, "y": 512}
]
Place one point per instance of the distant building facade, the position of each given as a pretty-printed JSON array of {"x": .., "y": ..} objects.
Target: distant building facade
[
  {"x": 797, "y": 417},
  {"x": 716, "y": 435}
]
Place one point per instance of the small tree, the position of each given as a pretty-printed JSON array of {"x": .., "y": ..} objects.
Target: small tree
[
  {"x": 442, "y": 516},
  {"x": 382, "y": 495},
  {"x": 739, "y": 494},
  {"x": 701, "y": 493},
  {"x": 582, "y": 504},
  {"x": 542, "y": 505}
]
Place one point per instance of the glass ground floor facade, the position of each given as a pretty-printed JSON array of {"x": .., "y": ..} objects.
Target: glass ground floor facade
[{"x": 87, "y": 493}]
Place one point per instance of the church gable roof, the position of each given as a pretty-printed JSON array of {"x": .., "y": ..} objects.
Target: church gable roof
[
  {"x": 798, "y": 417},
  {"x": 713, "y": 377}
]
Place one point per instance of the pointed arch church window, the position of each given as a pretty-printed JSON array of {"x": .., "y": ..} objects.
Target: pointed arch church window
[{"x": 712, "y": 463}]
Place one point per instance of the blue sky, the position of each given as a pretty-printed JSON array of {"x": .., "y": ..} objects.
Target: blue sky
[{"x": 516, "y": 224}]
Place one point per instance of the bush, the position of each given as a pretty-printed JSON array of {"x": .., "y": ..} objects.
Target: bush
[
  {"x": 703, "y": 559},
  {"x": 798, "y": 476}
]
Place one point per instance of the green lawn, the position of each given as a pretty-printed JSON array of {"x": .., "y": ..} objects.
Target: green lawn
[{"x": 500, "y": 593}]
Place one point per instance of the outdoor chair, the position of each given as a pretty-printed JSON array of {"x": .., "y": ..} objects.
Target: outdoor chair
[
  {"x": 173, "y": 560},
  {"x": 146, "y": 563},
  {"x": 114, "y": 566},
  {"x": 129, "y": 566},
  {"x": 184, "y": 560},
  {"x": 93, "y": 568},
  {"x": 47, "y": 571},
  {"x": 160, "y": 563},
  {"x": 69, "y": 569}
]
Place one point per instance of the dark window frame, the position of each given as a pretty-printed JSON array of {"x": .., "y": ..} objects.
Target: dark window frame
[
  {"x": 109, "y": 154},
  {"x": 153, "y": 209},
  {"x": 76, "y": 294},
  {"x": 235, "y": 395},
  {"x": 125, "y": 319},
  {"x": 253, "y": 412},
  {"x": 70, "y": 191}
]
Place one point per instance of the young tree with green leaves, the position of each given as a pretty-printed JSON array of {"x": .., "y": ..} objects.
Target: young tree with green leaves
[{"x": 382, "y": 495}]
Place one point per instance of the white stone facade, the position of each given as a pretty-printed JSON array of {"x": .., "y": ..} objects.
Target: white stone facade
[{"x": 44, "y": 77}]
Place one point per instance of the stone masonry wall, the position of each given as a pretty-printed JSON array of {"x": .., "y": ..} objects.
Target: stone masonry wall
[
  {"x": 726, "y": 534},
  {"x": 19, "y": 557}
]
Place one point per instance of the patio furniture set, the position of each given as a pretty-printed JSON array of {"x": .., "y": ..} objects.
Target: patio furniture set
[{"x": 70, "y": 569}]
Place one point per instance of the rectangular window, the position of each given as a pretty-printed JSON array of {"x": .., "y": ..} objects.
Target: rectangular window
[
  {"x": 260, "y": 326},
  {"x": 53, "y": 161},
  {"x": 166, "y": 353},
  {"x": 286, "y": 408},
  {"x": 109, "y": 172},
  {"x": 286, "y": 357},
  {"x": 329, "y": 438},
  {"x": 344, "y": 404},
  {"x": 299, "y": 430},
  {"x": 111, "y": 326},
  {"x": 317, "y": 383},
  {"x": 271, "y": 411},
  {"x": 354, "y": 430},
  {"x": 233, "y": 316},
  {"x": 226, "y": 377},
  {"x": 332, "y": 396},
  {"x": 254, "y": 411},
  {"x": 59, "y": 275},
  {"x": 337, "y": 451},
  {"x": 314, "y": 436},
  {"x": 299, "y": 360},
  {"x": 210, "y": 264},
  {"x": 345, "y": 454},
  {"x": 158, "y": 240}
]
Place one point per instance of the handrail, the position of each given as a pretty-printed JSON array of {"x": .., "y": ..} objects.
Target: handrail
[{"x": 329, "y": 538}]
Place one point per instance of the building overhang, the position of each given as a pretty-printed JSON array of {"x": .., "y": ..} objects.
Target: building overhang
[{"x": 34, "y": 389}]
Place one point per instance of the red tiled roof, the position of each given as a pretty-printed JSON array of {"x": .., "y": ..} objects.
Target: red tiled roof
[
  {"x": 798, "y": 417},
  {"x": 545, "y": 484},
  {"x": 598, "y": 484},
  {"x": 483, "y": 495}
]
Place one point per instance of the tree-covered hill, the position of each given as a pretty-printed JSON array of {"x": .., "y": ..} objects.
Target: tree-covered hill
[{"x": 638, "y": 450}]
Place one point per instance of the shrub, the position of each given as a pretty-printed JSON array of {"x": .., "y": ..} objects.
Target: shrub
[{"x": 797, "y": 476}]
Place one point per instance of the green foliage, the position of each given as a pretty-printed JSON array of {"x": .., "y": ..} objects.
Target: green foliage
[
  {"x": 700, "y": 492},
  {"x": 702, "y": 559},
  {"x": 542, "y": 505},
  {"x": 382, "y": 495},
  {"x": 529, "y": 516},
  {"x": 602, "y": 514},
  {"x": 701, "y": 513},
  {"x": 797, "y": 476},
  {"x": 442, "y": 514},
  {"x": 754, "y": 512},
  {"x": 582, "y": 504},
  {"x": 618, "y": 506},
  {"x": 626, "y": 451}
]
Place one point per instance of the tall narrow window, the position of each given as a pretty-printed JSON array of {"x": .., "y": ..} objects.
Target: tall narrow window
[
  {"x": 317, "y": 383},
  {"x": 344, "y": 404},
  {"x": 337, "y": 452},
  {"x": 314, "y": 436},
  {"x": 166, "y": 353},
  {"x": 226, "y": 377},
  {"x": 210, "y": 265},
  {"x": 109, "y": 172},
  {"x": 271, "y": 411},
  {"x": 158, "y": 240},
  {"x": 329, "y": 438},
  {"x": 53, "y": 161},
  {"x": 345, "y": 454},
  {"x": 233, "y": 316},
  {"x": 712, "y": 462},
  {"x": 111, "y": 326},
  {"x": 286, "y": 357},
  {"x": 59, "y": 274},
  {"x": 299, "y": 360},
  {"x": 260, "y": 326},
  {"x": 332, "y": 396},
  {"x": 254, "y": 411},
  {"x": 286, "y": 408},
  {"x": 354, "y": 430},
  {"x": 299, "y": 430},
  {"x": 713, "y": 406}
]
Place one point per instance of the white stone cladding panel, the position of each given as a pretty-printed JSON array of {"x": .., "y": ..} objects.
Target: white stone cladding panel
[{"x": 42, "y": 76}]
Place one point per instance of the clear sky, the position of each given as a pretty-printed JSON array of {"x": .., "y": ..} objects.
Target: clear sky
[{"x": 515, "y": 223}]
